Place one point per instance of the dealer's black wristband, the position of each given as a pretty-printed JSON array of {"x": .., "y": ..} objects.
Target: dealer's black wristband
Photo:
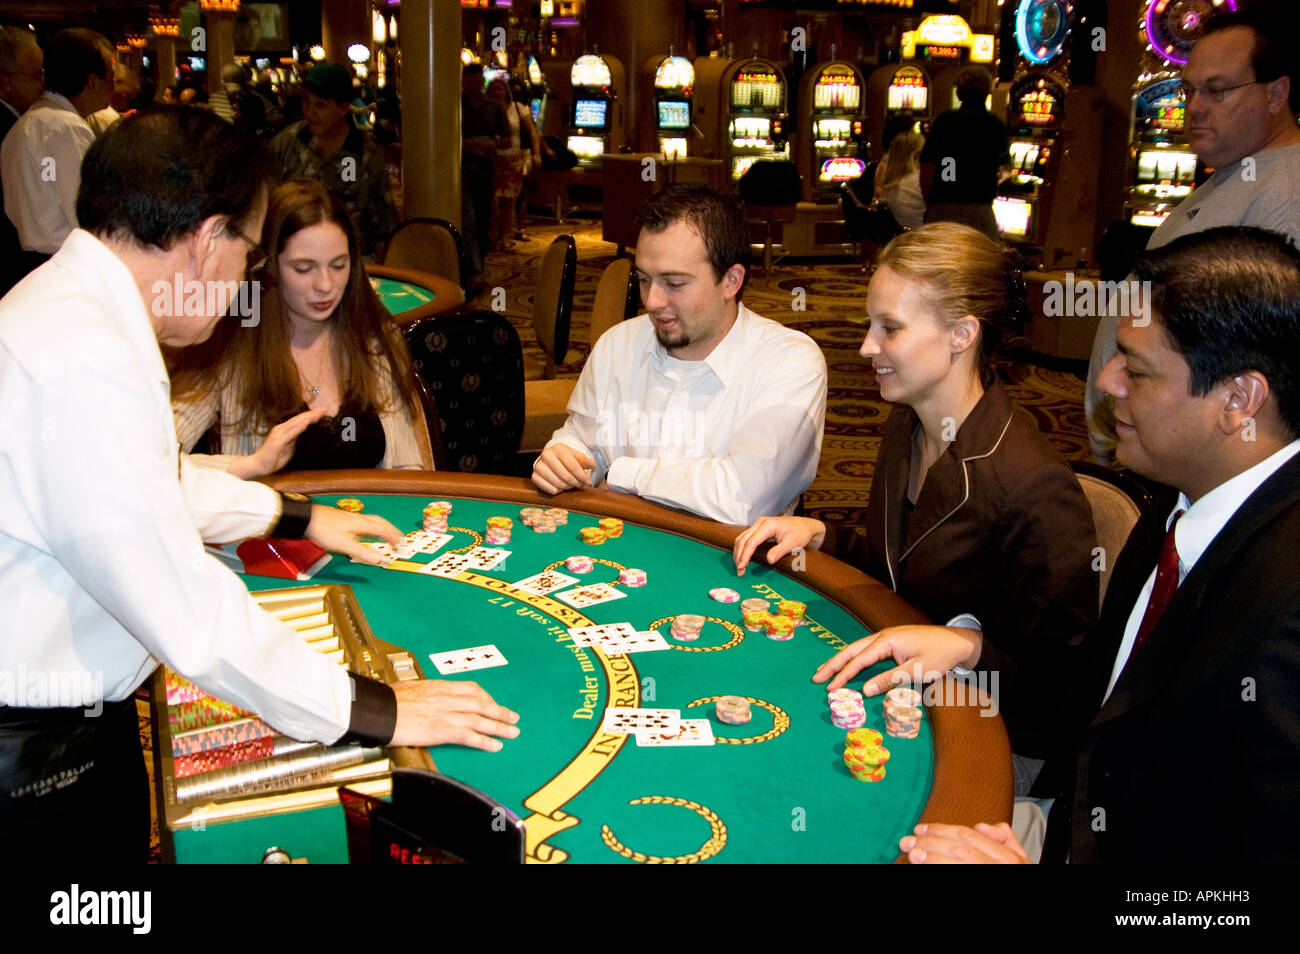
[
  {"x": 374, "y": 712},
  {"x": 295, "y": 514}
]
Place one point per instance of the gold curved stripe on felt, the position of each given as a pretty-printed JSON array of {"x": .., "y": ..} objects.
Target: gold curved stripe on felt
[
  {"x": 622, "y": 689},
  {"x": 478, "y": 539},
  {"x": 780, "y": 721},
  {"x": 737, "y": 634},
  {"x": 561, "y": 563},
  {"x": 717, "y": 838}
]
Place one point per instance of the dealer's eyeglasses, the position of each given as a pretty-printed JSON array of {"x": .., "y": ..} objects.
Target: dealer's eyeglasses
[
  {"x": 257, "y": 256},
  {"x": 1214, "y": 94}
]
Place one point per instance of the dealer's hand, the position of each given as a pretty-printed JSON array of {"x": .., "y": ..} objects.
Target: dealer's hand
[
  {"x": 440, "y": 712},
  {"x": 958, "y": 845},
  {"x": 790, "y": 533},
  {"x": 340, "y": 532},
  {"x": 923, "y": 654},
  {"x": 277, "y": 449},
  {"x": 560, "y": 467}
]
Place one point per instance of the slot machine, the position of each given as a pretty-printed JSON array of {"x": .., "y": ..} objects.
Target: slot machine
[
  {"x": 741, "y": 111},
  {"x": 536, "y": 85},
  {"x": 596, "y": 116},
  {"x": 1049, "y": 201},
  {"x": 895, "y": 94},
  {"x": 1162, "y": 168},
  {"x": 674, "y": 93},
  {"x": 832, "y": 147}
]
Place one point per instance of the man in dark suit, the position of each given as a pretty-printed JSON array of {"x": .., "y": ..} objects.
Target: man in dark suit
[
  {"x": 1194, "y": 717},
  {"x": 22, "y": 80}
]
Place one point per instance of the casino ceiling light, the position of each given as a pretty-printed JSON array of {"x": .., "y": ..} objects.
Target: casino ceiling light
[
  {"x": 219, "y": 6},
  {"x": 358, "y": 53},
  {"x": 317, "y": 52}
]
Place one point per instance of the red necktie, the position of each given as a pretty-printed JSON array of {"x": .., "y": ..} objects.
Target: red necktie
[{"x": 1166, "y": 584}]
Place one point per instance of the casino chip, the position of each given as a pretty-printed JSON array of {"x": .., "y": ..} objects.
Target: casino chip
[
  {"x": 632, "y": 577},
  {"x": 592, "y": 535},
  {"x": 724, "y": 595},
  {"x": 351, "y": 505},
  {"x": 733, "y": 710},
  {"x": 580, "y": 564}
]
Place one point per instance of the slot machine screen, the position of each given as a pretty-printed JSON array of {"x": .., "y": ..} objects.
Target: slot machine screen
[
  {"x": 1186, "y": 169},
  {"x": 590, "y": 113},
  {"x": 536, "y": 106},
  {"x": 674, "y": 114},
  {"x": 1012, "y": 216},
  {"x": 1146, "y": 173}
]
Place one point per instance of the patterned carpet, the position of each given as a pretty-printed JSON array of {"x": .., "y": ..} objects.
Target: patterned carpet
[{"x": 833, "y": 297}]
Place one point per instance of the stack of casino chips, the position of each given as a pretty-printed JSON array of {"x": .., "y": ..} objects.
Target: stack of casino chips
[
  {"x": 632, "y": 577},
  {"x": 781, "y": 627},
  {"x": 848, "y": 711},
  {"x": 903, "y": 713},
  {"x": 498, "y": 530},
  {"x": 612, "y": 526},
  {"x": 592, "y": 535},
  {"x": 686, "y": 627},
  {"x": 436, "y": 515},
  {"x": 864, "y": 756},
  {"x": 580, "y": 564},
  {"x": 558, "y": 514},
  {"x": 724, "y": 594},
  {"x": 733, "y": 710},
  {"x": 793, "y": 609},
  {"x": 754, "y": 614},
  {"x": 529, "y": 514}
]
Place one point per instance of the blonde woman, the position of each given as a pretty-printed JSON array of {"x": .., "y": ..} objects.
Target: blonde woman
[
  {"x": 973, "y": 517},
  {"x": 900, "y": 184}
]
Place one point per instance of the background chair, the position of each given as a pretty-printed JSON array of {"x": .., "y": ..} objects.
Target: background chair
[
  {"x": 617, "y": 297},
  {"x": 771, "y": 190},
  {"x": 552, "y": 306},
  {"x": 472, "y": 363},
  {"x": 427, "y": 245},
  {"x": 1117, "y": 501}
]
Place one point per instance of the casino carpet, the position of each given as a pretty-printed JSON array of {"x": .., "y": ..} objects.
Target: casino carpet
[{"x": 832, "y": 296}]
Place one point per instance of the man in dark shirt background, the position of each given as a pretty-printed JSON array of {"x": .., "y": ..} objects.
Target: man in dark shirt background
[
  {"x": 483, "y": 130},
  {"x": 962, "y": 155}
]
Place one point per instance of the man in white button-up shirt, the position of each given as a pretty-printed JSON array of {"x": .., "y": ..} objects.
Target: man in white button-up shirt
[
  {"x": 103, "y": 522},
  {"x": 700, "y": 403},
  {"x": 41, "y": 157}
]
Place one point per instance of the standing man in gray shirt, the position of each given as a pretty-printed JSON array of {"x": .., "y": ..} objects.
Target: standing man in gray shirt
[{"x": 1241, "y": 107}]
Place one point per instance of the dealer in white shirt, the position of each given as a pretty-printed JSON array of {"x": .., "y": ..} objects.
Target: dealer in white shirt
[
  {"x": 699, "y": 404},
  {"x": 103, "y": 524}
]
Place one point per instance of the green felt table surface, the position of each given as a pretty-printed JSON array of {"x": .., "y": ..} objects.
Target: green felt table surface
[
  {"x": 785, "y": 796},
  {"x": 400, "y": 296}
]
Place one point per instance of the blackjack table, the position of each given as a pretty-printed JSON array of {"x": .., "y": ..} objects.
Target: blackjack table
[
  {"x": 411, "y": 295},
  {"x": 773, "y": 790}
]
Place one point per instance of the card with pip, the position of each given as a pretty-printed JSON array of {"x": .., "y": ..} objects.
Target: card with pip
[
  {"x": 467, "y": 660},
  {"x": 584, "y": 596}
]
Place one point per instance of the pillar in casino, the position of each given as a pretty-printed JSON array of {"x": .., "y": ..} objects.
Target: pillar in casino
[
  {"x": 219, "y": 22},
  {"x": 632, "y": 33},
  {"x": 166, "y": 27}
]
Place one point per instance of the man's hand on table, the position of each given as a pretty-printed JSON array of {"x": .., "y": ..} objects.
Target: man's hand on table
[
  {"x": 340, "y": 532},
  {"x": 790, "y": 533},
  {"x": 923, "y": 654},
  {"x": 934, "y": 844},
  {"x": 440, "y": 712},
  {"x": 560, "y": 467}
]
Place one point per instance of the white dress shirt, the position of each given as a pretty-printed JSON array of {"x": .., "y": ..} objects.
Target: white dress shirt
[
  {"x": 734, "y": 437},
  {"x": 40, "y": 161},
  {"x": 1196, "y": 530},
  {"x": 101, "y": 528}
]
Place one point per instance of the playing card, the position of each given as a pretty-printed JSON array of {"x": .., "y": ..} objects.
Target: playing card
[
  {"x": 584, "y": 596},
  {"x": 632, "y": 721},
  {"x": 467, "y": 660},
  {"x": 384, "y": 550},
  {"x": 426, "y": 541},
  {"x": 485, "y": 558},
  {"x": 638, "y": 642},
  {"x": 606, "y": 634},
  {"x": 690, "y": 732},
  {"x": 448, "y": 565},
  {"x": 544, "y": 584}
]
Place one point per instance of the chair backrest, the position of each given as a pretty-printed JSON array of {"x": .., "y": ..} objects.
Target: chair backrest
[
  {"x": 427, "y": 245},
  {"x": 613, "y": 293},
  {"x": 1117, "y": 501},
  {"x": 432, "y": 425},
  {"x": 473, "y": 365},
  {"x": 553, "y": 300},
  {"x": 771, "y": 182}
]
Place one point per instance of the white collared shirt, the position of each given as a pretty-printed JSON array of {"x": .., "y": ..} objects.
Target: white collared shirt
[
  {"x": 102, "y": 526},
  {"x": 1196, "y": 530},
  {"x": 40, "y": 161},
  {"x": 734, "y": 437}
]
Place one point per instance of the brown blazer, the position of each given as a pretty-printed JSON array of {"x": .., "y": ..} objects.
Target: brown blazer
[{"x": 1002, "y": 531}]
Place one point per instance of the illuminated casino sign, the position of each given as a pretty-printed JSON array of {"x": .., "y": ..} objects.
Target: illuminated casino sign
[
  {"x": 909, "y": 89},
  {"x": 982, "y": 48},
  {"x": 1159, "y": 107},
  {"x": 1041, "y": 29},
  {"x": 1036, "y": 100},
  {"x": 938, "y": 38},
  {"x": 675, "y": 72},
  {"x": 590, "y": 70},
  {"x": 535, "y": 72},
  {"x": 842, "y": 169},
  {"x": 1173, "y": 26}
]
